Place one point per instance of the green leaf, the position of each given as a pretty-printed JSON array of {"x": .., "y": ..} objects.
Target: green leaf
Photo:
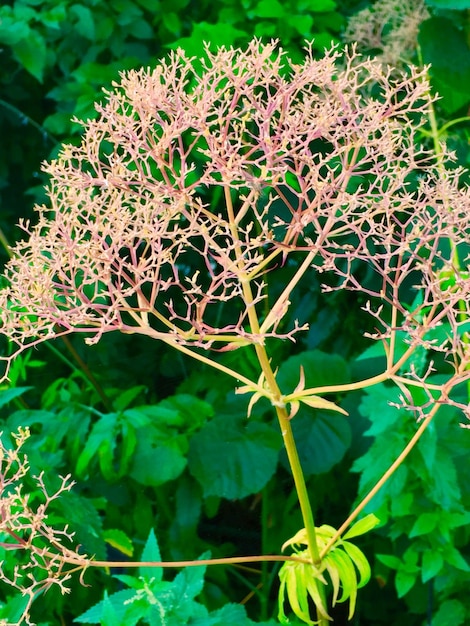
[
  {"x": 157, "y": 459},
  {"x": 85, "y": 24},
  {"x": 458, "y": 5},
  {"x": 450, "y": 613},
  {"x": 322, "y": 440},
  {"x": 128, "y": 396},
  {"x": 114, "y": 607},
  {"x": 389, "y": 560},
  {"x": 219, "y": 34},
  {"x": 119, "y": 540},
  {"x": 80, "y": 513},
  {"x": 452, "y": 556},
  {"x": 151, "y": 552},
  {"x": 12, "y": 30},
  {"x": 444, "y": 46},
  {"x": 319, "y": 6},
  {"x": 425, "y": 524},
  {"x": 232, "y": 615},
  {"x": 432, "y": 565},
  {"x": 360, "y": 561},
  {"x": 31, "y": 53},
  {"x": 362, "y": 526},
  {"x": 7, "y": 395},
  {"x": 13, "y": 609},
  {"x": 404, "y": 581},
  {"x": 233, "y": 458},
  {"x": 320, "y": 369},
  {"x": 192, "y": 412},
  {"x": 190, "y": 581},
  {"x": 100, "y": 444},
  {"x": 109, "y": 616},
  {"x": 269, "y": 8},
  {"x": 317, "y": 402}
]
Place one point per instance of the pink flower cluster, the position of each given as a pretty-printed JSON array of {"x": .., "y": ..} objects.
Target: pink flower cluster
[{"x": 200, "y": 178}]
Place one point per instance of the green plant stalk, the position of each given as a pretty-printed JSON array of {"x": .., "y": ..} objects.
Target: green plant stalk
[
  {"x": 276, "y": 398},
  {"x": 384, "y": 478},
  {"x": 263, "y": 596}
]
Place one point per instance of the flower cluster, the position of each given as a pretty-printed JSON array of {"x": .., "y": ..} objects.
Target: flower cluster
[
  {"x": 199, "y": 179},
  {"x": 24, "y": 528},
  {"x": 390, "y": 27}
]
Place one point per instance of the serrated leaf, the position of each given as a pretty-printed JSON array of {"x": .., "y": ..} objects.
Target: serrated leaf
[
  {"x": 233, "y": 615},
  {"x": 362, "y": 526},
  {"x": 151, "y": 552},
  {"x": 80, "y": 513},
  {"x": 118, "y": 600}
]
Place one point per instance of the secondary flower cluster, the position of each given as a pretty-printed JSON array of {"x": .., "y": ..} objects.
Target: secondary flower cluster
[
  {"x": 42, "y": 552},
  {"x": 199, "y": 178}
]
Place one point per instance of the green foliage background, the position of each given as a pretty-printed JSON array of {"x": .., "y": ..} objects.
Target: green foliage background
[{"x": 155, "y": 443}]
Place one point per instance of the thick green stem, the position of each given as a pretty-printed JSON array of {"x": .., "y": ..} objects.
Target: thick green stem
[{"x": 276, "y": 395}]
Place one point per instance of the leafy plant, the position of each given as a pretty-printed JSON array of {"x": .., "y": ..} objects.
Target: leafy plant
[{"x": 190, "y": 193}]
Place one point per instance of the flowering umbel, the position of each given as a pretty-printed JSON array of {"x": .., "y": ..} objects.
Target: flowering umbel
[{"x": 197, "y": 179}]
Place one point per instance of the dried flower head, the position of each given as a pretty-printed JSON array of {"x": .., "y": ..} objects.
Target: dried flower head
[
  {"x": 390, "y": 27},
  {"x": 43, "y": 556},
  {"x": 192, "y": 185}
]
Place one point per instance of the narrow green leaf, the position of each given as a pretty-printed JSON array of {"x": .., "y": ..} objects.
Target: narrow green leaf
[
  {"x": 7, "y": 395},
  {"x": 346, "y": 571},
  {"x": 313, "y": 590},
  {"x": 362, "y": 526},
  {"x": 119, "y": 540},
  {"x": 389, "y": 560},
  {"x": 125, "y": 398},
  {"x": 317, "y": 402},
  {"x": 101, "y": 435},
  {"x": 360, "y": 562}
]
